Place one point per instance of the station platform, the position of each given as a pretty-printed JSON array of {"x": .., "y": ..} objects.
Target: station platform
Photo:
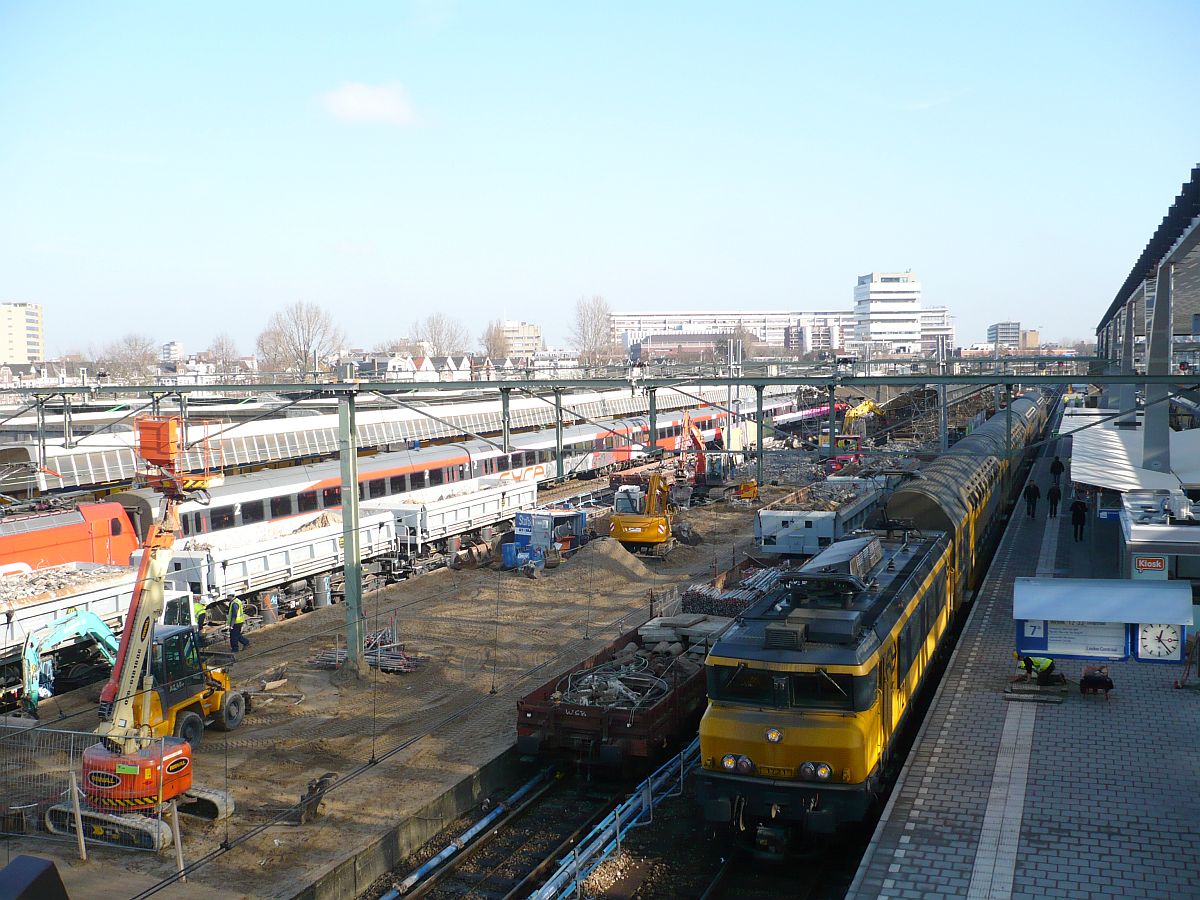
[{"x": 999, "y": 798}]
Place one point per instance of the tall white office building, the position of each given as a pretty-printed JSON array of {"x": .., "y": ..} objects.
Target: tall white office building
[
  {"x": 887, "y": 312},
  {"x": 22, "y": 340}
]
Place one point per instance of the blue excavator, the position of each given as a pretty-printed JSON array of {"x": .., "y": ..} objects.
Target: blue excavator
[{"x": 37, "y": 662}]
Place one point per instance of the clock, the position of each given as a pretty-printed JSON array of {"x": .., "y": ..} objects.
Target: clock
[{"x": 1160, "y": 643}]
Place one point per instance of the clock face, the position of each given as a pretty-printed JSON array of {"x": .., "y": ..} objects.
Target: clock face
[{"x": 1160, "y": 641}]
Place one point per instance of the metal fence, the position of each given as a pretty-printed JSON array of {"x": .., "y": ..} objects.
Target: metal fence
[{"x": 46, "y": 794}]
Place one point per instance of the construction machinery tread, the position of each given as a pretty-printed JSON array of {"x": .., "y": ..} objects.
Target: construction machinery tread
[
  {"x": 136, "y": 831},
  {"x": 206, "y": 803}
]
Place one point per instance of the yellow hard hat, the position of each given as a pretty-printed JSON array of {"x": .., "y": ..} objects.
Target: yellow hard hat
[{"x": 1016, "y": 655}]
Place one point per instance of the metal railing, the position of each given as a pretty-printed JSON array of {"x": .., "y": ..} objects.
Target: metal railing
[{"x": 605, "y": 838}]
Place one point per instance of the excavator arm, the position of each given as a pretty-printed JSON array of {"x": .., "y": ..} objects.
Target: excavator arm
[{"x": 80, "y": 623}]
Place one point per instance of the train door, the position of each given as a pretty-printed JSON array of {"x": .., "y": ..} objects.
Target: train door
[{"x": 888, "y": 686}]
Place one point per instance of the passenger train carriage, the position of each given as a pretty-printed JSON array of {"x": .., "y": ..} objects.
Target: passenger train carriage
[{"x": 808, "y": 688}]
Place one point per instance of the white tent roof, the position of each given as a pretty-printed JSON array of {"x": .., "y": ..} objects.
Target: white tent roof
[
  {"x": 1111, "y": 458},
  {"x": 1102, "y": 600}
]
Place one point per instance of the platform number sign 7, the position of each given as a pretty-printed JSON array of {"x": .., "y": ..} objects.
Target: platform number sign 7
[{"x": 1035, "y": 629}]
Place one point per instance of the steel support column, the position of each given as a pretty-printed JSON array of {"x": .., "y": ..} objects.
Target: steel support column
[
  {"x": 558, "y": 435},
  {"x": 761, "y": 429},
  {"x": 652, "y": 397},
  {"x": 68, "y": 437},
  {"x": 1156, "y": 447},
  {"x": 505, "y": 420},
  {"x": 348, "y": 448},
  {"x": 41, "y": 432},
  {"x": 1128, "y": 392},
  {"x": 831, "y": 451}
]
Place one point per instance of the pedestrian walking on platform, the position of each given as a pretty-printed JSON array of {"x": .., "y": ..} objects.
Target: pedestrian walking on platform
[
  {"x": 1056, "y": 470},
  {"x": 1052, "y": 497},
  {"x": 1031, "y": 494},
  {"x": 1079, "y": 511}
]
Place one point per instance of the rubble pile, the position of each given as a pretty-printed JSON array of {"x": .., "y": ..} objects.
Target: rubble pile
[
  {"x": 54, "y": 580},
  {"x": 672, "y": 650}
]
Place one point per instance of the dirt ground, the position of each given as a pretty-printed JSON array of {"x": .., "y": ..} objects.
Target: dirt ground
[{"x": 481, "y": 631}]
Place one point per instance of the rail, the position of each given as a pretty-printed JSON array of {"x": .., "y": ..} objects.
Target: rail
[{"x": 636, "y": 811}]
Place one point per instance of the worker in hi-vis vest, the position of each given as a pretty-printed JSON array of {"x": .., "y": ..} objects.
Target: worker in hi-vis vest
[
  {"x": 1041, "y": 667},
  {"x": 236, "y": 619},
  {"x": 199, "y": 610}
]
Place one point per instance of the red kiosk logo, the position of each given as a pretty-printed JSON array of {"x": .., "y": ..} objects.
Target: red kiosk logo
[{"x": 1150, "y": 563}]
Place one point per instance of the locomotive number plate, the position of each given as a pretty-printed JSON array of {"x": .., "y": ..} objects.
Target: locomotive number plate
[{"x": 776, "y": 771}]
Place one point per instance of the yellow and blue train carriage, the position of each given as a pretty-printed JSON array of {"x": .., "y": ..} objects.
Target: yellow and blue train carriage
[{"x": 808, "y": 688}]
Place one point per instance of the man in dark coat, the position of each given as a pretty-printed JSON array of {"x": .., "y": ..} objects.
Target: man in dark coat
[
  {"x": 1031, "y": 494},
  {"x": 1052, "y": 497},
  {"x": 1056, "y": 470},
  {"x": 1079, "y": 511}
]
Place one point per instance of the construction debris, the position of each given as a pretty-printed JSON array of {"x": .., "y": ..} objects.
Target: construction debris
[
  {"x": 704, "y": 598},
  {"x": 55, "y": 580},
  {"x": 382, "y": 651}
]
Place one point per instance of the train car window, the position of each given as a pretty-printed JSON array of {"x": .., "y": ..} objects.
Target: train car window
[
  {"x": 281, "y": 507},
  {"x": 737, "y": 684},
  {"x": 377, "y": 487},
  {"x": 331, "y": 496},
  {"x": 396, "y": 484},
  {"x": 306, "y": 502},
  {"x": 200, "y": 524},
  {"x": 185, "y": 522},
  {"x": 822, "y": 690},
  {"x": 362, "y": 490},
  {"x": 221, "y": 517},
  {"x": 115, "y": 527},
  {"x": 462, "y": 473},
  {"x": 416, "y": 480},
  {"x": 252, "y": 511},
  {"x": 488, "y": 467},
  {"x": 437, "y": 476},
  {"x": 502, "y": 464}
]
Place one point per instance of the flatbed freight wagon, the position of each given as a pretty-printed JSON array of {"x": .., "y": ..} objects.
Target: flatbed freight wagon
[{"x": 627, "y": 703}]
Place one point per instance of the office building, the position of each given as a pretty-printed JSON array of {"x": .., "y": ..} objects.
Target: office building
[
  {"x": 22, "y": 339},
  {"x": 523, "y": 339},
  {"x": 769, "y": 327},
  {"x": 887, "y": 312},
  {"x": 1006, "y": 334},
  {"x": 937, "y": 328},
  {"x": 813, "y": 332},
  {"x": 171, "y": 352}
]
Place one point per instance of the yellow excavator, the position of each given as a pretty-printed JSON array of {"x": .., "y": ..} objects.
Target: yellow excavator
[
  {"x": 644, "y": 521},
  {"x": 858, "y": 414}
]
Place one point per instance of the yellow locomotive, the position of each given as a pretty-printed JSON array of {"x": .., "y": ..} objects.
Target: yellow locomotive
[{"x": 808, "y": 688}]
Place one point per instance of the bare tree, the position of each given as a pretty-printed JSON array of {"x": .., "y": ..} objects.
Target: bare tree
[
  {"x": 131, "y": 358},
  {"x": 298, "y": 338},
  {"x": 494, "y": 341},
  {"x": 397, "y": 345},
  {"x": 591, "y": 332},
  {"x": 223, "y": 352},
  {"x": 441, "y": 334}
]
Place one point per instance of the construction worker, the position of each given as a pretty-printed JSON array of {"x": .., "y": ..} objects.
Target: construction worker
[
  {"x": 1040, "y": 666},
  {"x": 236, "y": 619},
  {"x": 199, "y": 610}
]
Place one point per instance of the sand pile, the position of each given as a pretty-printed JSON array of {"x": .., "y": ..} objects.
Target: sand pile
[{"x": 611, "y": 557}]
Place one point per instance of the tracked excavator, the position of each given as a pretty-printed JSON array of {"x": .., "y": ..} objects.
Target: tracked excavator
[
  {"x": 161, "y": 692},
  {"x": 38, "y": 671},
  {"x": 645, "y": 522}
]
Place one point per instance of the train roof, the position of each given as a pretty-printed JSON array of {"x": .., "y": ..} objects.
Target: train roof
[{"x": 837, "y": 609}]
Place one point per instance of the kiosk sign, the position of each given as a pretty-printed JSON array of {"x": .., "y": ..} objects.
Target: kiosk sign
[{"x": 1150, "y": 567}]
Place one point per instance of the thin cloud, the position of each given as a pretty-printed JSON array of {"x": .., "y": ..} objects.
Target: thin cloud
[{"x": 357, "y": 102}]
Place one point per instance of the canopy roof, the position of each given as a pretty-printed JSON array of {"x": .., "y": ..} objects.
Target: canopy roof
[{"x": 1102, "y": 600}]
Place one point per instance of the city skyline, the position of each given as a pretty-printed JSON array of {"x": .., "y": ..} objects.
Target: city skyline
[{"x": 183, "y": 175}]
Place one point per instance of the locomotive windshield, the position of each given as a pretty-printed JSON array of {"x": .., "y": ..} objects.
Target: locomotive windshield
[{"x": 798, "y": 690}]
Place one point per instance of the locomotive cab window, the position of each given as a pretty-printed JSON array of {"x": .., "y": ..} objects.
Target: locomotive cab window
[
  {"x": 739, "y": 684},
  {"x": 115, "y": 525},
  {"x": 826, "y": 690}
]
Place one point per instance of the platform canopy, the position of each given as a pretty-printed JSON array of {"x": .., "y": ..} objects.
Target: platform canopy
[
  {"x": 1110, "y": 457},
  {"x": 1102, "y": 600}
]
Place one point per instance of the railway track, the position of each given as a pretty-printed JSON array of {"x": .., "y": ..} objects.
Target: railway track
[{"x": 511, "y": 856}]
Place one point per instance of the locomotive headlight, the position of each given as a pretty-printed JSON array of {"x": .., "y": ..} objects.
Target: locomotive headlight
[
  {"x": 808, "y": 771},
  {"x": 824, "y": 772},
  {"x": 745, "y": 765},
  {"x": 728, "y": 761},
  {"x": 774, "y": 735}
]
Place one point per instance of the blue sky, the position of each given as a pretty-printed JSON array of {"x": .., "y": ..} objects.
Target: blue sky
[{"x": 182, "y": 169}]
